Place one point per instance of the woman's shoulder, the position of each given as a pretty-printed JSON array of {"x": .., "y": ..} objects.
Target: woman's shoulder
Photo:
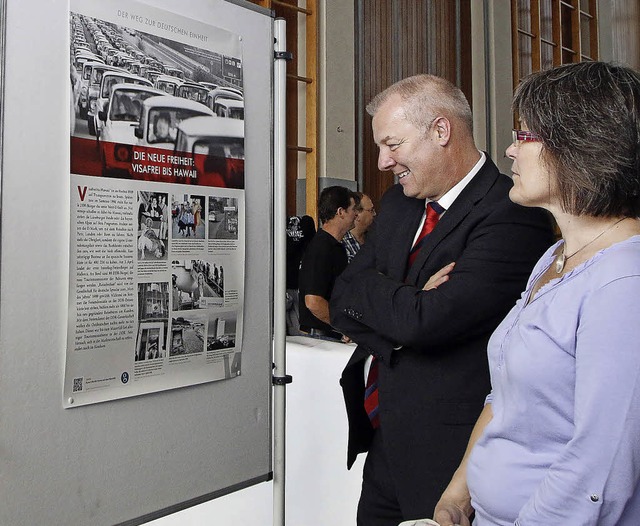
[{"x": 620, "y": 260}]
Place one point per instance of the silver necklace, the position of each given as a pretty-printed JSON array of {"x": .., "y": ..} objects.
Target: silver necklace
[{"x": 562, "y": 258}]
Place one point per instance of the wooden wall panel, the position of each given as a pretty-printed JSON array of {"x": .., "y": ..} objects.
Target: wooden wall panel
[
  {"x": 626, "y": 32},
  {"x": 400, "y": 38}
]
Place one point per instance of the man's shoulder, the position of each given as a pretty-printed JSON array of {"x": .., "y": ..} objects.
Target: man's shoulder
[{"x": 321, "y": 243}]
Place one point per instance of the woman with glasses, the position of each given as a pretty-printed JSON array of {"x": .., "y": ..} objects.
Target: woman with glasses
[{"x": 558, "y": 442}]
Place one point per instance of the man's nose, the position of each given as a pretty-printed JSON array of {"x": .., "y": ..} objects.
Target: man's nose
[
  {"x": 385, "y": 161},
  {"x": 511, "y": 150}
]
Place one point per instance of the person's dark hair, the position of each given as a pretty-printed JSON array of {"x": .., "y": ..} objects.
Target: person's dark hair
[
  {"x": 357, "y": 197},
  {"x": 332, "y": 198},
  {"x": 588, "y": 117},
  {"x": 426, "y": 97}
]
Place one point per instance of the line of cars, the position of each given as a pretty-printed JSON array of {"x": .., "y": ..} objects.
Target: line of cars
[
  {"x": 141, "y": 118},
  {"x": 128, "y": 112}
]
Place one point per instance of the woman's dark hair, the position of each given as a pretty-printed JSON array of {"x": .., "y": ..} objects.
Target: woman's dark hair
[{"x": 588, "y": 118}]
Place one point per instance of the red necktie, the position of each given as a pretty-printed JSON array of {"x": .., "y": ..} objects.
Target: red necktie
[
  {"x": 433, "y": 211},
  {"x": 371, "y": 394},
  {"x": 433, "y": 215}
]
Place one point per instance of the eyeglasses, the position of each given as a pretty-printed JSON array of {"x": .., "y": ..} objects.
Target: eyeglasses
[
  {"x": 524, "y": 136},
  {"x": 372, "y": 209}
]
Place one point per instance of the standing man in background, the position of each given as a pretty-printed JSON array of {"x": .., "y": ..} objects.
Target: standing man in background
[
  {"x": 356, "y": 237},
  {"x": 421, "y": 338},
  {"x": 324, "y": 260}
]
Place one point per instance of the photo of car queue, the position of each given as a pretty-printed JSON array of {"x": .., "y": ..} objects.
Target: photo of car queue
[
  {"x": 136, "y": 93},
  {"x": 188, "y": 216},
  {"x": 153, "y": 317},
  {"x": 196, "y": 284},
  {"x": 153, "y": 226},
  {"x": 223, "y": 217},
  {"x": 187, "y": 335}
]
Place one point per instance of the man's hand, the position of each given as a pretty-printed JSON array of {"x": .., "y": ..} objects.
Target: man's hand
[
  {"x": 439, "y": 277},
  {"x": 449, "y": 514}
]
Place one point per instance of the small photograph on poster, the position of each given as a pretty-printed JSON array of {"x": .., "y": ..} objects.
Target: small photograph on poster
[
  {"x": 151, "y": 340},
  {"x": 223, "y": 217},
  {"x": 197, "y": 284},
  {"x": 221, "y": 330},
  {"x": 153, "y": 317},
  {"x": 221, "y": 342},
  {"x": 153, "y": 225},
  {"x": 188, "y": 216},
  {"x": 187, "y": 334}
]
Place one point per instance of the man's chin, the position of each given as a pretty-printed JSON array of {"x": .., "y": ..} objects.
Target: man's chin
[{"x": 408, "y": 191}]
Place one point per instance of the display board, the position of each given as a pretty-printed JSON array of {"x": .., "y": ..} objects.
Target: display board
[{"x": 123, "y": 460}]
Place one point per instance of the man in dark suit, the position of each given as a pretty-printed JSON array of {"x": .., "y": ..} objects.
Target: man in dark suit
[{"x": 423, "y": 327}]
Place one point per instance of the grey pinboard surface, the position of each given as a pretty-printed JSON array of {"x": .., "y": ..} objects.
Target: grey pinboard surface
[{"x": 131, "y": 460}]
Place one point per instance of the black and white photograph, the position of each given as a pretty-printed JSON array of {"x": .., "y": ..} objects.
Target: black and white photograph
[
  {"x": 153, "y": 317},
  {"x": 153, "y": 226},
  {"x": 188, "y": 216},
  {"x": 221, "y": 330},
  {"x": 196, "y": 284},
  {"x": 221, "y": 343},
  {"x": 151, "y": 341},
  {"x": 187, "y": 334},
  {"x": 223, "y": 217}
]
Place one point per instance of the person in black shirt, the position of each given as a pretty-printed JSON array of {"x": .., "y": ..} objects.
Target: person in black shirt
[
  {"x": 324, "y": 260},
  {"x": 300, "y": 232}
]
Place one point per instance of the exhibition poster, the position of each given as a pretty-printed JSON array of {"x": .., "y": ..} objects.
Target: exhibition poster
[{"x": 157, "y": 195}]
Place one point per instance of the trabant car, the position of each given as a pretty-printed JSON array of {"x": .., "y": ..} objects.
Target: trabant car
[
  {"x": 85, "y": 56},
  {"x": 173, "y": 71},
  {"x": 167, "y": 83},
  {"x": 156, "y": 134},
  {"x": 192, "y": 91},
  {"x": 109, "y": 79},
  {"x": 208, "y": 85},
  {"x": 83, "y": 87},
  {"x": 216, "y": 147},
  {"x": 119, "y": 119},
  {"x": 221, "y": 92},
  {"x": 234, "y": 109},
  {"x": 93, "y": 89}
]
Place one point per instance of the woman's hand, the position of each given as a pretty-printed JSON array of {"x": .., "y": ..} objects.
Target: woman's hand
[
  {"x": 439, "y": 277},
  {"x": 449, "y": 514}
]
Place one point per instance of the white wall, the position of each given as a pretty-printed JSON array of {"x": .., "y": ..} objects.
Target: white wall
[{"x": 337, "y": 84}]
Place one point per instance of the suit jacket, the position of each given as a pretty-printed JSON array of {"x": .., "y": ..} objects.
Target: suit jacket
[{"x": 431, "y": 346}]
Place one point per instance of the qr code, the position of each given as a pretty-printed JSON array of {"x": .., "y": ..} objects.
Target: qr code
[{"x": 77, "y": 384}]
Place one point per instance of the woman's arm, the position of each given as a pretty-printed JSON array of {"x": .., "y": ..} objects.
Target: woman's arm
[{"x": 454, "y": 506}]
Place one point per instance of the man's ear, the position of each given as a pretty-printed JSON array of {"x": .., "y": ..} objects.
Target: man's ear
[{"x": 442, "y": 127}]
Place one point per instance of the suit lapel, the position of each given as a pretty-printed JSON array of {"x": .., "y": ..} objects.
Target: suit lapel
[
  {"x": 408, "y": 221},
  {"x": 461, "y": 207}
]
